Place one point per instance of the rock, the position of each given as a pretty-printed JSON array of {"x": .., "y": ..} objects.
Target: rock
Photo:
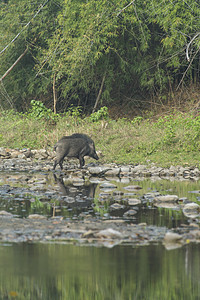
[
  {"x": 130, "y": 213},
  {"x": 167, "y": 198},
  {"x": 116, "y": 206},
  {"x": 15, "y": 154},
  {"x": 6, "y": 214},
  {"x": 112, "y": 172},
  {"x": 68, "y": 199},
  {"x": 40, "y": 154},
  {"x": 172, "y": 237},
  {"x": 172, "y": 240},
  {"x": 21, "y": 156},
  {"x": 36, "y": 216},
  {"x": 133, "y": 187},
  {"x": 4, "y": 153},
  {"x": 134, "y": 201},
  {"x": 109, "y": 233},
  {"x": 77, "y": 181},
  {"x": 28, "y": 153},
  {"x": 118, "y": 193},
  {"x": 104, "y": 195},
  {"x": 138, "y": 169},
  {"x": 196, "y": 172},
  {"x": 194, "y": 235},
  {"x": 107, "y": 185},
  {"x": 169, "y": 205},
  {"x": 125, "y": 169},
  {"x": 146, "y": 173},
  {"x": 99, "y": 171},
  {"x": 151, "y": 196}
]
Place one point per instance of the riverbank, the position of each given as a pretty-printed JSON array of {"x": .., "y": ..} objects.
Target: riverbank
[
  {"x": 164, "y": 140},
  {"x": 42, "y": 160}
]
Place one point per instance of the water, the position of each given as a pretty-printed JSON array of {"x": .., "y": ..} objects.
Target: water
[
  {"x": 59, "y": 271},
  {"x": 51, "y": 271},
  {"x": 24, "y": 194}
]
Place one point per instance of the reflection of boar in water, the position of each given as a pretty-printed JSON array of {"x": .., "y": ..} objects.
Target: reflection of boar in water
[
  {"x": 77, "y": 145},
  {"x": 86, "y": 191}
]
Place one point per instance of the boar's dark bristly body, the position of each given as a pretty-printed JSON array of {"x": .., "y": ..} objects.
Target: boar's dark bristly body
[{"x": 77, "y": 146}]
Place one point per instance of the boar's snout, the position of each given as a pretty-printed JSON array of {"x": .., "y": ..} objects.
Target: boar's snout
[{"x": 95, "y": 156}]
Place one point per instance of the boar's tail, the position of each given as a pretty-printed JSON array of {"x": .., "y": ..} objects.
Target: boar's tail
[{"x": 55, "y": 146}]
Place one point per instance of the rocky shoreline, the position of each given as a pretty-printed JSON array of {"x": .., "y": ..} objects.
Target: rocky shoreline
[
  {"x": 42, "y": 160},
  {"x": 90, "y": 230}
]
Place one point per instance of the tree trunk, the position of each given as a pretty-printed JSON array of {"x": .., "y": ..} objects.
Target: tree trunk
[
  {"x": 54, "y": 94},
  {"x": 99, "y": 94}
]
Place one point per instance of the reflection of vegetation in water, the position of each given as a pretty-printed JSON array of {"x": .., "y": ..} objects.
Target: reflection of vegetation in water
[
  {"x": 181, "y": 188},
  {"x": 26, "y": 203},
  {"x": 77, "y": 273},
  {"x": 166, "y": 217},
  {"x": 147, "y": 212},
  {"x": 38, "y": 206},
  {"x": 100, "y": 208}
]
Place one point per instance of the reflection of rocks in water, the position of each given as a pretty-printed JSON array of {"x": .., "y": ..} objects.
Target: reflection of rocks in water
[
  {"x": 77, "y": 189},
  {"x": 191, "y": 210}
]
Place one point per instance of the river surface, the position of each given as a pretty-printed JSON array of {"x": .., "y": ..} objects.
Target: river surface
[
  {"x": 67, "y": 271},
  {"x": 23, "y": 194},
  {"x": 55, "y": 271}
]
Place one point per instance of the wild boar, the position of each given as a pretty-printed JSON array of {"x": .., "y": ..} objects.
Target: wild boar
[
  {"x": 77, "y": 145},
  {"x": 79, "y": 135}
]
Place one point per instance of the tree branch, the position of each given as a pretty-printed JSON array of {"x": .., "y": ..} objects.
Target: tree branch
[
  {"x": 10, "y": 69},
  {"x": 125, "y": 7},
  {"x": 54, "y": 94},
  {"x": 188, "y": 45},
  {"x": 187, "y": 69},
  {"x": 24, "y": 27}
]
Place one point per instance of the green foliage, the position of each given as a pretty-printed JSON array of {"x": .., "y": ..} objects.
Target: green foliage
[
  {"x": 137, "y": 120},
  {"x": 74, "y": 111},
  {"x": 11, "y": 115},
  {"x": 169, "y": 135},
  {"x": 23, "y": 82},
  {"x": 73, "y": 114},
  {"x": 192, "y": 134},
  {"x": 38, "y": 111},
  {"x": 101, "y": 114},
  {"x": 168, "y": 124},
  {"x": 85, "y": 43}
]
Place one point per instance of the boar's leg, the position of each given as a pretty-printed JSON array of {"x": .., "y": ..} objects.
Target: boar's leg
[
  {"x": 58, "y": 161},
  {"x": 82, "y": 161},
  {"x": 61, "y": 164},
  {"x": 55, "y": 164}
]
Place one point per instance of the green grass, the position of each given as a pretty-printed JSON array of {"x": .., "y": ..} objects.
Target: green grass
[{"x": 170, "y": 140}]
